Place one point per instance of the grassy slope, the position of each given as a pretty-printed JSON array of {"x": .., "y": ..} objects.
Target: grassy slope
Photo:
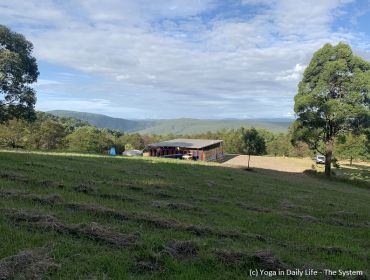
[{"x": 333, "y": 214}]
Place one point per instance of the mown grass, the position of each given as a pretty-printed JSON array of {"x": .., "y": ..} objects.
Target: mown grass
[
  {"x": 303, "y": 221},
  {"x": 355, "y": 172}
]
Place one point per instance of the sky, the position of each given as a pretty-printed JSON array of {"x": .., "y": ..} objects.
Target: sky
[{"x": 209, "y": 59}]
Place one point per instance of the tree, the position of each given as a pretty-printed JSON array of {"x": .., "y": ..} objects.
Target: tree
[
  {"x": 128, "y": 146},
  {"x": 135, "y": 140},
  {"x": 254, "y": 143},
  {"x": 352, "y": 147},
  {"x": 52, "y": 134},
  {"x": 12, "y": 134},
  {"x": 45, "y": 132},
  {"x": 18, "y": 70},
  {"x": 233, "y": 138},
  {"x": 89, "y": 139},
  {"x": 279, "y": 145},
  {"x": 333, "y": 98}
]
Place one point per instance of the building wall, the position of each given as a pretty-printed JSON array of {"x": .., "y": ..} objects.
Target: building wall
[{"x": 213, "y": 153}]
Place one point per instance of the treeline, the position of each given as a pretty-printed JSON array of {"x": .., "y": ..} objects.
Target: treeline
[
  {"x": 276, "y": 144},
  {"x": 349, "y": 146},
  {"x": 49, "y": 132}
]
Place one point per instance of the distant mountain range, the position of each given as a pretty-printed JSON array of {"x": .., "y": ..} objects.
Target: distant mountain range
[
  {"x": 103, "y": 121},
  {"x": 174, "y": 126}
]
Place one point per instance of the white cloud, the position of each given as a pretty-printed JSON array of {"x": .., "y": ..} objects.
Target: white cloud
[
  {"x": 44, "y": 82},
  {"x": 293, "y": 74},
  {"x": 143, "y": 51},
  {"x": 74, "y": 104}
]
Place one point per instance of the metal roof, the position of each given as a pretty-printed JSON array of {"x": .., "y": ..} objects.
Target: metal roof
[{"x": 186, "y": 143}]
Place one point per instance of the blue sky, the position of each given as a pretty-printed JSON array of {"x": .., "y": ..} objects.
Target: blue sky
[{"x": 181, "y": 58}]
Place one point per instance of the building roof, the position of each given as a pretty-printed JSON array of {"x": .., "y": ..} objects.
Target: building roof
[{"x": 186, "y": 143}]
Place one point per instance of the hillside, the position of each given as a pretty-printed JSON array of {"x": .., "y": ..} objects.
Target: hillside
[
  {"x": 193, "y": 126},
  {"x": 174, "y": 126},
  {"x": 66, "y": 216},
  {"x": 103, "y": 121}
]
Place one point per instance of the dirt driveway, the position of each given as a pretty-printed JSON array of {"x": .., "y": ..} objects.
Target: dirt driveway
[{"x": 284, "y": 164}]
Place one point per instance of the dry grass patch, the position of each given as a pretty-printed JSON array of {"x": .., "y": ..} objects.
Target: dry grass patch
[
  {"x": 253, "y": 208},
  {"x": 333, "y": 250},
  {"x": 159, "y": 194},
  {"x": 261, "y": 259},
  {"x": 85, "y": 188},
  {"x": 328, "y": 221},
  {"x": 98, "y": 209},
  {"x": 116, "y": 197},
  {"x": 13, "y": 176},
  {"x": 161, "y": 222},
  {"x": 29, "y": 264},
  {"x": 93, "y": 231},
  {"x": 181, "y": 249},
  {"x": 135, "y": 188},
  {"x": 93, "y": 191},
  {"x": 51, "y": 184},
  {"x": 266, "y": 260},
  {"x": 152, "y": 265},
  {"x": 176, "y": 206},
  {"x": 199, "y": 230},
  {"x": 47, "y": 199},
  {"x": 230, "y": 257}
]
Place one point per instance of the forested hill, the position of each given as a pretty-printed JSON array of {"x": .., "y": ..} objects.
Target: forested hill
[
  {"x": 194, "y": 126},
  {"x": 103, "y": 121},
  {"x": 174, "y": 126}
]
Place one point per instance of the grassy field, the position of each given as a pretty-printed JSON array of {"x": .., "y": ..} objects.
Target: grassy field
[{"x": 94, "y": 217}]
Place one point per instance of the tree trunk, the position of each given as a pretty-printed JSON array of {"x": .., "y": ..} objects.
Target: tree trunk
[
  {"x": 249, "y": 158},
  {"x": 328, "y": 157}
]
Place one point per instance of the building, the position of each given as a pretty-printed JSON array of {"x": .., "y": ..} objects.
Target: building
[{"x": 198, "y": 149}]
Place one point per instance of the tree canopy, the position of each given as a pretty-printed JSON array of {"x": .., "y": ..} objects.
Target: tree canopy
[
  {"x": 333, "y": 98},
  {"x": 254, "y": 143},
  {"x": 18, "y": 70}
]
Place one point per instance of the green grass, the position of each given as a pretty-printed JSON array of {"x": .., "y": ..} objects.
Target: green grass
[
  {"x": 355, "y": 172},
  {"x": 299, "y": 218}
]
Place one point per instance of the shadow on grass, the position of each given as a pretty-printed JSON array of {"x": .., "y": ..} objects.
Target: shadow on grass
[
  {"x": 228, "y": 157},
  {"x": 335, "y": 178},
  {"x": 343, "y": 174},
  {"x": 354, "y": 172},
  {"x": 357, "y": 166},
  {"x": 355, "y": 177}
]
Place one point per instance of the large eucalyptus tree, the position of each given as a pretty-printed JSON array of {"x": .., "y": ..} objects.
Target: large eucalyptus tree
[
  {"x": 333, "y": 99},
  {"x": 18, "y": 70}
]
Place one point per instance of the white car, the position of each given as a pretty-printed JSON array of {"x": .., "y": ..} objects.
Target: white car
[
  {"x": 320, "y": 159},
  {"x": 187, "y": 157},
  {"x": 132, "y": 153}
]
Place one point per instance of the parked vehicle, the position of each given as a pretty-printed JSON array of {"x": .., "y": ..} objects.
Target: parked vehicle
[
  {"x": 187, "y": 157},
  {"x": 132, "y": 153},
  {"x": 320, "y": 159}
]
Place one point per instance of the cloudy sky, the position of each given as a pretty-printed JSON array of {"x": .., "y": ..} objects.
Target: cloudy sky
[{"x": 181, "y": 58}]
